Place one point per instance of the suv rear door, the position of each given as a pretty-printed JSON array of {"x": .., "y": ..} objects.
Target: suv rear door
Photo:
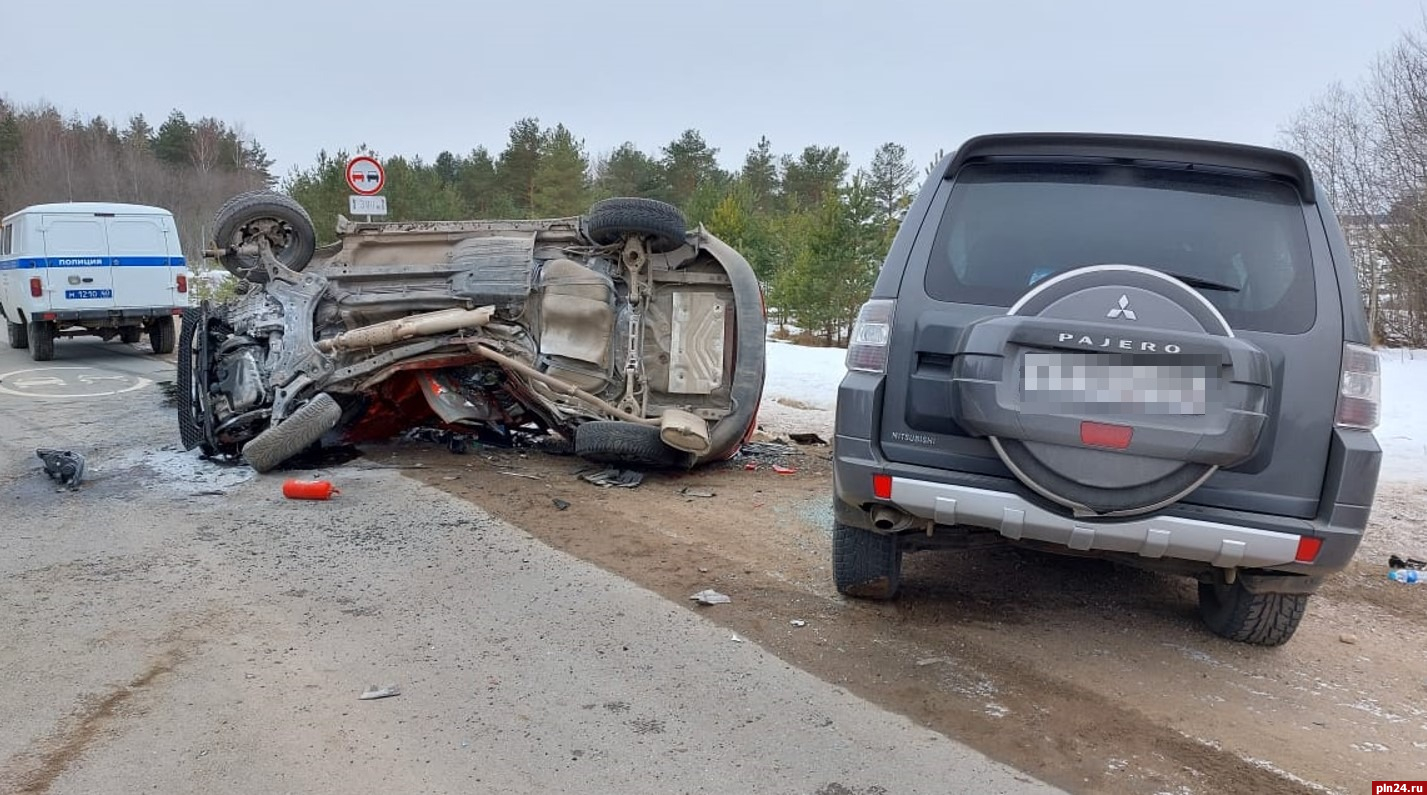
[
  {"x": 78, "y": 272},
  {"x": 1001, "y": 227}
]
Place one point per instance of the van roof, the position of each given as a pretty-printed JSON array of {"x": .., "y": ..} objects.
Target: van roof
[{"x": 89, "y": 208}]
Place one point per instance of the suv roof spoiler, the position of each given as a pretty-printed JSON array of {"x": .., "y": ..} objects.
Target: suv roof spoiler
[{"x": 1137, "y": 148}]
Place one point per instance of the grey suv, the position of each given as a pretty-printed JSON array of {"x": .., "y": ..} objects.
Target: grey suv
[{"x": 1151, "y": 350}]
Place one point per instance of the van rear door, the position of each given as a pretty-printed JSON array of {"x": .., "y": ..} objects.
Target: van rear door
[
  {"x": 77, "y": 271},
  {"x": 144, "y": 272}
]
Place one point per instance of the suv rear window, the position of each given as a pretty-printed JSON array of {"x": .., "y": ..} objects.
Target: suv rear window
[{"x": 1008, "y": 226}]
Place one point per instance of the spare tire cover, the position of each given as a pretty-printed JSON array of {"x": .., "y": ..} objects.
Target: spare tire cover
[{"x": 1115, "y": 377}]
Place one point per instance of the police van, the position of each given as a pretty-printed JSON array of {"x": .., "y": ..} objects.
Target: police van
[{"x": 91, "y": 268}]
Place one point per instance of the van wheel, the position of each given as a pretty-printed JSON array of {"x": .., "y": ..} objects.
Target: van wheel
[
  {"x": 1262, "y": 619},
  {"x": 161, "y": 335},
  {"x": 42, "y": 340},
  {"x": 19, "y": 335},
  {"x": 130, "y": 334},
  {"x": 263, "y": 214}
]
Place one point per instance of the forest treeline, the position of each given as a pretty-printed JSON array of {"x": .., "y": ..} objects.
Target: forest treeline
[{"x": 814, "y": 228}]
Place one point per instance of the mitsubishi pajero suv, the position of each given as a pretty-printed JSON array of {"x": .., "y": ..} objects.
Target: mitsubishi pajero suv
[{"x": 1151, "y": 350}]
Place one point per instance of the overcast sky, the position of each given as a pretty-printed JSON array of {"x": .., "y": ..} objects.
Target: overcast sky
[{"x": 418, "y": 76}]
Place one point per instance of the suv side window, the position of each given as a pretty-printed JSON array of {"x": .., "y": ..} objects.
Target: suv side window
[{"x": 1009, "y": 226}]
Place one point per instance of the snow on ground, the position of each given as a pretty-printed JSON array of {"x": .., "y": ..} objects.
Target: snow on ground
[{"x": 802, "y": 388}]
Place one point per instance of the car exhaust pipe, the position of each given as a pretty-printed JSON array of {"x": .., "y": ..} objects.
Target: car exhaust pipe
[
  {"x": 423, "y": 325},
  {"x": 685, "y": 431},
  {"x": 889, "y": 519}
]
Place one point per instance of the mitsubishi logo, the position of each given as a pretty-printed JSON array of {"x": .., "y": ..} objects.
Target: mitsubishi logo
[{"x": 1123, "y": 310}]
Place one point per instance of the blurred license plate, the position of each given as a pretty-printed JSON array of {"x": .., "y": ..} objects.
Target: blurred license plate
[{"x": 1101, "y": 383}]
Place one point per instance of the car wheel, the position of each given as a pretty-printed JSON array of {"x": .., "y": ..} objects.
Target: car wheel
[
  {"x": 610, "y": 220},
  {"x": 294, "y": 434},
  {"x": 130, "y": 334},
  {"x": 19, "y": 335},
  {"x": 161, "y": 335},
  {"x": 629, "y": 444},
  {"x": 42, "y": 340},
  {"x": 263, "y": 214},
  {"x": 191, "y": 420},
  {"x": 865, "y": 564},
  {"x": 1262, "y": 619}
]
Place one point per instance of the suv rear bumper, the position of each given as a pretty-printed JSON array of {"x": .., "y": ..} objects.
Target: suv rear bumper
[
  {"x": 1212, "y": 537},
  {"x": 1017, "y": 519}
]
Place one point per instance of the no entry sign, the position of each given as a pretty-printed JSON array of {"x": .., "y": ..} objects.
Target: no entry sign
[{"x": 365, "y": 175}]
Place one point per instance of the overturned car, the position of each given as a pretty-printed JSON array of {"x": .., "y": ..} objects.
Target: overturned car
[{"x": 619, "y": 332}]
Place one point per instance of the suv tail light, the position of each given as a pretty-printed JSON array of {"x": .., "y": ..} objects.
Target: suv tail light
[
  {"x": 871, "y": 335},
  {"x": 1360, "y": 389}
]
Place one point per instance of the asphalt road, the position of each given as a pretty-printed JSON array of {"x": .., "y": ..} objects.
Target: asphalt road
[{"x": 177, "y": 626}]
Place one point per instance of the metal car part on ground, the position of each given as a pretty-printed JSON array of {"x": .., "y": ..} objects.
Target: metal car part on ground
[{"x": 635, "y": 339}]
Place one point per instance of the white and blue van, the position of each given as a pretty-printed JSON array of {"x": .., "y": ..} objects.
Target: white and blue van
[{"x": 91, "y": 268}]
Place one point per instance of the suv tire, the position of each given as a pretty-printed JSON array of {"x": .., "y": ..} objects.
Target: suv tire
[
  {"x": 865, "y": 564},
  {"x": 610, "y": 220},
  {"x": 283, "y": 220},
  {"x": 629, "y": 444},
  {"x": 1262, "y": 619}
]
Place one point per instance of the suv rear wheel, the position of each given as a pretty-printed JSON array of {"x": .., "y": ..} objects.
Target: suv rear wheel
[
  {"x": 1263, "y": 619},
  {"x": 865, "y": 564}
]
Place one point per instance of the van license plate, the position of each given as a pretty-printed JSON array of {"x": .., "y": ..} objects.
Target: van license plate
[{"x": 80, "y": 295}]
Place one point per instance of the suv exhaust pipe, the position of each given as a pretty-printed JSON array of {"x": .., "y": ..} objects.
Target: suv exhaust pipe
[{"x": 890, "y": 519}]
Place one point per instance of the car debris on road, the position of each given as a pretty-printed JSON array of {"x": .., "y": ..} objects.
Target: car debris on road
[
  {"x": 63, "y": 465},
  {"x": 710, "y": 597}
]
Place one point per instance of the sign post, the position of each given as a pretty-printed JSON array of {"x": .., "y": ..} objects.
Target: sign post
[{"x": 366, "y": 178}]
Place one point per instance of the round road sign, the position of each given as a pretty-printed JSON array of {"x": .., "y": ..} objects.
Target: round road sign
[{"x": 365, "y": 175}]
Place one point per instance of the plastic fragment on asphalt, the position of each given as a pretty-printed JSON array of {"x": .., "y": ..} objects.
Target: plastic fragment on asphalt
[
  {"x": 710, "y": 597},
  {"x": 386, "y": 691},
  {"x": 616, "y": 478}
]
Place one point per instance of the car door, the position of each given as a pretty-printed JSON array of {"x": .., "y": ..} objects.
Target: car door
[{"x": 77, "y": 273}]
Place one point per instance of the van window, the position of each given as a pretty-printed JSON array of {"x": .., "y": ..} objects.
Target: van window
[
  {"x": 134, "y": 236},
  {"x": 74, "y": 236},
  {"x": 6, "y": 238},
  {"x": 1009, "y": 226}
]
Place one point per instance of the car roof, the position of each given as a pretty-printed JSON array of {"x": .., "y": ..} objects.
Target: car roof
[
  {"x": 1132, "y": 148},
  {"x": 89, "y": 208}
]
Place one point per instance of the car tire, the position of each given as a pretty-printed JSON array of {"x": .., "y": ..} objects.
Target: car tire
[
  {"x": 1261, "y": 619},
  {"x": 189, "y": 403},
  {"x": 42, "y": 340},
  {"x": 628, "y": 444},
  {"x": 608, "y": 221},
  {"x": 130, "y": 334},
  {"x": 288, "y": 226},
  {"x": 865, "y": 564},
  {"x": 19, "y": 335},
  {"x": 293, "y": 435},
  {"x": 161, "y": 335}
]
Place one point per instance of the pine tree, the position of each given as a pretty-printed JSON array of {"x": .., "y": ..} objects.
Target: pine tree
[
  {"x": 760, "y": 175},
  {"x": 174, "y": 141},
  {"x": 888, "y": 180},
  {"x": 562, "y": 185},
  {"x": 815, "y": 174},
  {"x": 516, "y": 166},
  {"x": 629, "y": 172},
  {"x": 688, "y": 163}
]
